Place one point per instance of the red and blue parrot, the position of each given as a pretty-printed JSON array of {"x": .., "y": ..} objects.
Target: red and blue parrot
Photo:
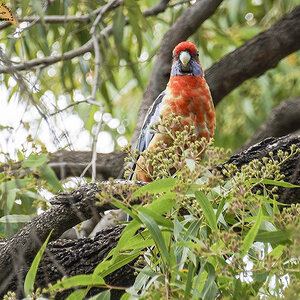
[{"x": 187, "y": 95}]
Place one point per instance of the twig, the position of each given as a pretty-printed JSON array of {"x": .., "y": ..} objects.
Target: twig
[
  {"x": 89, "y": 101},
  {"x": 95, "y": 41}
]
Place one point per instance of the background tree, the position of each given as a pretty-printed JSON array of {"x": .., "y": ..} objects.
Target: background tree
[{"x": 75, "y": 76}]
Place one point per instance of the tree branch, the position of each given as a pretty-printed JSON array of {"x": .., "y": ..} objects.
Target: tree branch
[
  {"x": 283, "y": 119},
  {"x": 255, "y": 57}
]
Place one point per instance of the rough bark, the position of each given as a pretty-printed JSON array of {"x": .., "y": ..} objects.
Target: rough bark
[
  {"x": 69, "y": 258},
  {"x": 252, "y": 59},
  {"x": 282, "y": 120},
  {"x": 79, "y": 257}
]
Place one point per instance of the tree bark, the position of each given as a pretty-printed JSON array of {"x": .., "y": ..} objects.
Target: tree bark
[{"x": 80, "y": 257}]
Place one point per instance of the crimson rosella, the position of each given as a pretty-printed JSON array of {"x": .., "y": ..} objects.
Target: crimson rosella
[{"x": 187, "y": 95}]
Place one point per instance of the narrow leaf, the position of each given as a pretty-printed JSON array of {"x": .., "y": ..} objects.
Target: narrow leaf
[
  {"x": 77, "y": 295},
  {"x": 273, "y": 236},
  {"x": 30, "y": 276},
  {"x": 48, "y": 174},
  {"x": 157, "y": 236},
  {"x": 249, "y": 239},
  {"x": 207, "y": 210},
  {"x": 78, "y": 280},
  {"x": 35, "y": 160},
  {"x": 15, "y": 219},
  {"x": 189, "y": 281},
  {"x": 275, "y": 182},
  {"x": 155, "y": 187}
]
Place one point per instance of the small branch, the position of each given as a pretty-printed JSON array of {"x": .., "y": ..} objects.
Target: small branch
[
  {"x": 89, "y": 101},
  {"x": 104, "y": 9},
  {"x": 24, "y": 89},
  {"x": 54, "y": 19}
]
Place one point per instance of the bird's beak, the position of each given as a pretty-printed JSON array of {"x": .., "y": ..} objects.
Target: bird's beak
[{"x": 185, "y": 59}]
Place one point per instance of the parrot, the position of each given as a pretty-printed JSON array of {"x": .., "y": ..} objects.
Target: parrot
[{"x": 186, "y": 95}]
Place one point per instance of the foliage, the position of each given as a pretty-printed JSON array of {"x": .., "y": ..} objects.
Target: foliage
[{"x": 207, "y": 234}]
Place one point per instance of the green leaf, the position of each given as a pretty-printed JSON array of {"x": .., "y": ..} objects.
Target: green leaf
[
  {"x": 157, "y": 217},
  {"x": 189, "y": 281},
  {"x": 35, "y": 160},
  {"x": 120, "y": 261},
  {"x": 207, "y": 209},
  {"x": 78, "y": 280},
  {"x": 250, "y": 237},
  {"x": 209, "y": 290},
  {"x": 11, "y": 197},
  {"x": 275, "y": 182},
  {"x": 155, "y": 187},
  {"x": 127, "y": 233},
  {"x": 30, "y": 276},
  {"x": 118, "y": 28},
  {"x": 15, "y": 219},
  {"x": 277, "y": 252},
  {"x": 37, "y": 5},
  {"x": 48, "y": 174},
  {"x": 273, "y": 236},
  {"x": 125, "y": 296},
  {"x": 14, "y": 184},
  {"x": 163, "y": 203},
  {"x": 157, "y": 236},
  {"x": 136, "y": 20}
]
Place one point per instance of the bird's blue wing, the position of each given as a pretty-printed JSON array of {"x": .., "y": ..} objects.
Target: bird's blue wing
[{"x": 151, "y": 119}]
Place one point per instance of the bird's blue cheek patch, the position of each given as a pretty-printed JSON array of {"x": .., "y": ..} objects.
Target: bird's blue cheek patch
[
  {"x": 196, "y": 69},
  {"x": 175, "y": 69}
]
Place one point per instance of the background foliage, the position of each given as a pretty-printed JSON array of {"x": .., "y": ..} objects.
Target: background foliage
[{"x": 33, "y": 125}]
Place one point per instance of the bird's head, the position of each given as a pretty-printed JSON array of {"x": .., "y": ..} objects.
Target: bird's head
[{"x": 186, "y": 60}]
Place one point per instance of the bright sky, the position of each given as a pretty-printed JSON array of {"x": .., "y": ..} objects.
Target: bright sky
[{"x": 15, "y": 113}]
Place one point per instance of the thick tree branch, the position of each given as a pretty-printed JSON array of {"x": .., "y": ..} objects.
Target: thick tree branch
[
  {"x": 283, "y": 119},
  {"x": 252, "y": 59},
  {"x": 255, "y": 57}
]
